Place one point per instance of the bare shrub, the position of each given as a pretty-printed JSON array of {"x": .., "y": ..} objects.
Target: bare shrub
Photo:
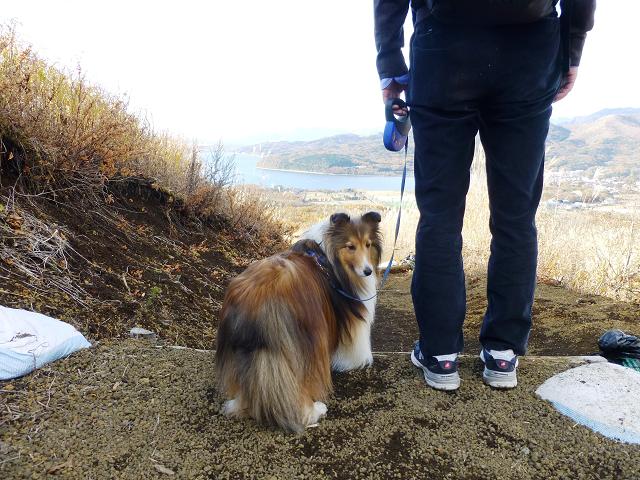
[
  {"x": 209, "y": 181},
  {"x": 219, "y": 169},
  {"x": 38, "y": 251}
]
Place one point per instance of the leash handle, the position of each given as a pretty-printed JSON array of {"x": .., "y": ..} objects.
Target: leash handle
[
  {"x": 396, "y": 129},
  {"x": 402, "y": 122}
]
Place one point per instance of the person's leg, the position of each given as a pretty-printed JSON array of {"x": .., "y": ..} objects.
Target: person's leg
[
  {"x": 449, "y": 66},
  {"x": 513, "y": 130},
  {"x": 444, "y": 147}
]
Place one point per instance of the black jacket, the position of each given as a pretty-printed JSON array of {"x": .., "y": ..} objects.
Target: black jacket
[{"x": 389, "y": 17}]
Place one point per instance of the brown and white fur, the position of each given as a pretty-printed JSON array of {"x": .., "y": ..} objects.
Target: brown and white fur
[{"x": 284, "y": 325}]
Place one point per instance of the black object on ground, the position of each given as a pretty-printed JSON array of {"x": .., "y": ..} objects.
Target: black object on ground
[{"x": 615, "y": 344}]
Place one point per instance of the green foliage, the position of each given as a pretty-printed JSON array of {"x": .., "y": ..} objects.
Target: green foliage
[{"x": 153, "y": 296}]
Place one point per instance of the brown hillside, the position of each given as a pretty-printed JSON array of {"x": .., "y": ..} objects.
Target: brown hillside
[
  {"x": 141, "y": 260},
  {"x": 606, "y": 145},
  {"x": 106, "y": 223}
]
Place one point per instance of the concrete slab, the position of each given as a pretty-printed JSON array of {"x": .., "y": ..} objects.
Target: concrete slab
[{"x": 602, "y": 396}]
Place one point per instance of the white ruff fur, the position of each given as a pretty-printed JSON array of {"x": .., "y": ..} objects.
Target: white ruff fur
[{"x": 356, "y": 354}]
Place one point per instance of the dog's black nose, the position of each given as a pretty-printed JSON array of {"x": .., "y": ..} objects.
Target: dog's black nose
[{"x": 367, "y": 271}]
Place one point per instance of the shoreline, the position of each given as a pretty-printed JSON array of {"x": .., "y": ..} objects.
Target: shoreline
[{"x": 308, "y": 172}]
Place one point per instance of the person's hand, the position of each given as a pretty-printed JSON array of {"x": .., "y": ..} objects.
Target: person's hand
[
  {"x": 567, "y": 84},
  {"x": 394, "y": 90}
]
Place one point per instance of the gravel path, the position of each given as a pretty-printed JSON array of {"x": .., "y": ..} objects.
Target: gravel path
[{"x": 127, "y": 409}]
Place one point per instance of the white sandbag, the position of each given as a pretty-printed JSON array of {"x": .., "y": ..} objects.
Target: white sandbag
[
  {"x": 602, "y": 396},
  {"x": 29, "y": 340}
]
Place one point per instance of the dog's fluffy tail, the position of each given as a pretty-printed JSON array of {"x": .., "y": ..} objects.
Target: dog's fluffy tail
[
  {"x": 269, "y": 358},
  {"x": 274, "y": 395}
]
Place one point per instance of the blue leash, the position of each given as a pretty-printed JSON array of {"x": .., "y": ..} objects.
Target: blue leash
[
  {"x": 394, "y": 137},
  {"x": 387, "y": 270},
  {"x": 385, "y": 275}
]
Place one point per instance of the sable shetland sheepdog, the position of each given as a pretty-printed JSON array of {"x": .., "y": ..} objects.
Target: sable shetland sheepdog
[{"x": 289, "y": 319}]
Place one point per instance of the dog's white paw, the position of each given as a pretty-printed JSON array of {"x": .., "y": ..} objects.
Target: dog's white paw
[
  {"x": 320, "y": 408},
  {"x": 230, "y": 407},
  {"x": 368, "y": 361},
  {"x": 316, "y": 412}
]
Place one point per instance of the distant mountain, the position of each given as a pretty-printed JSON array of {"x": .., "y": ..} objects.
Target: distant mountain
[
  {"x": 298, "y": 134},
  {"x": 342, "y": 154},
  {"x": 606, "y": 142},
  {"x": 597, "y": 115}
]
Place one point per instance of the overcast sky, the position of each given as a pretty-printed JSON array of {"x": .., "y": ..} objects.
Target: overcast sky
[{"x": 257, "y": 69}]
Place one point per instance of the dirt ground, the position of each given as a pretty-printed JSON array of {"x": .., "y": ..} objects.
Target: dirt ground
[
  {"x": 130, "y": 409},
  {"x": 564, "y": 322},
  {"x": 127, "y": 409}
]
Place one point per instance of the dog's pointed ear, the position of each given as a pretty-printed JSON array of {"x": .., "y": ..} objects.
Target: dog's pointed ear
[
  {"x": 372, "y": 217},
  {"x": 339, "y": 219}
]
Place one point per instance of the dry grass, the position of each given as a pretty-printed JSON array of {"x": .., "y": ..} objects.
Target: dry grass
[
  {"x": 68, "y": 143},
  {"x": 54, "y": 124},
  {"x": 39, "y": 251},
  {"x": 586, "y": 250},
  {"x": 59, "y": 133},
  {"x": 593, "y": 252}
]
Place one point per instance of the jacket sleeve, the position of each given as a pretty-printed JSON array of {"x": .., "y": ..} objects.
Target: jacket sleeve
[
  {"x": 582, "y": 18},
  {"x": 389, "y": 17}
]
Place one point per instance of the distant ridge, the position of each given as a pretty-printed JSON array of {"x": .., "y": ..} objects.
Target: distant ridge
[
  {"x": 606, "y": 143},
  {"x": 596, "y": 115}
]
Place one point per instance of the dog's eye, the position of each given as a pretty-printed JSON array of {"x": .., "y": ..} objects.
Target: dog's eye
[
  {"x": 368, "y": 244},
  {"x": 351, "y": 247}
]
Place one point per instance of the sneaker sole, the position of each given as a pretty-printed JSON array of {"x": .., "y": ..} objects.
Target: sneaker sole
[
  {"x": 434, "y": 380},
  {"x": 499, "y": 380}
]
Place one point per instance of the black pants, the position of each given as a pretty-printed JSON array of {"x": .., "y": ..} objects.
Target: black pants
[{"x": 500, "y": 82}]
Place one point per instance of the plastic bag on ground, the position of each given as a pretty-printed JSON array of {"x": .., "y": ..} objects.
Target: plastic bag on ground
[
  {"x": 29, "y": 340},
  {"x": 617, "y": 344}
]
